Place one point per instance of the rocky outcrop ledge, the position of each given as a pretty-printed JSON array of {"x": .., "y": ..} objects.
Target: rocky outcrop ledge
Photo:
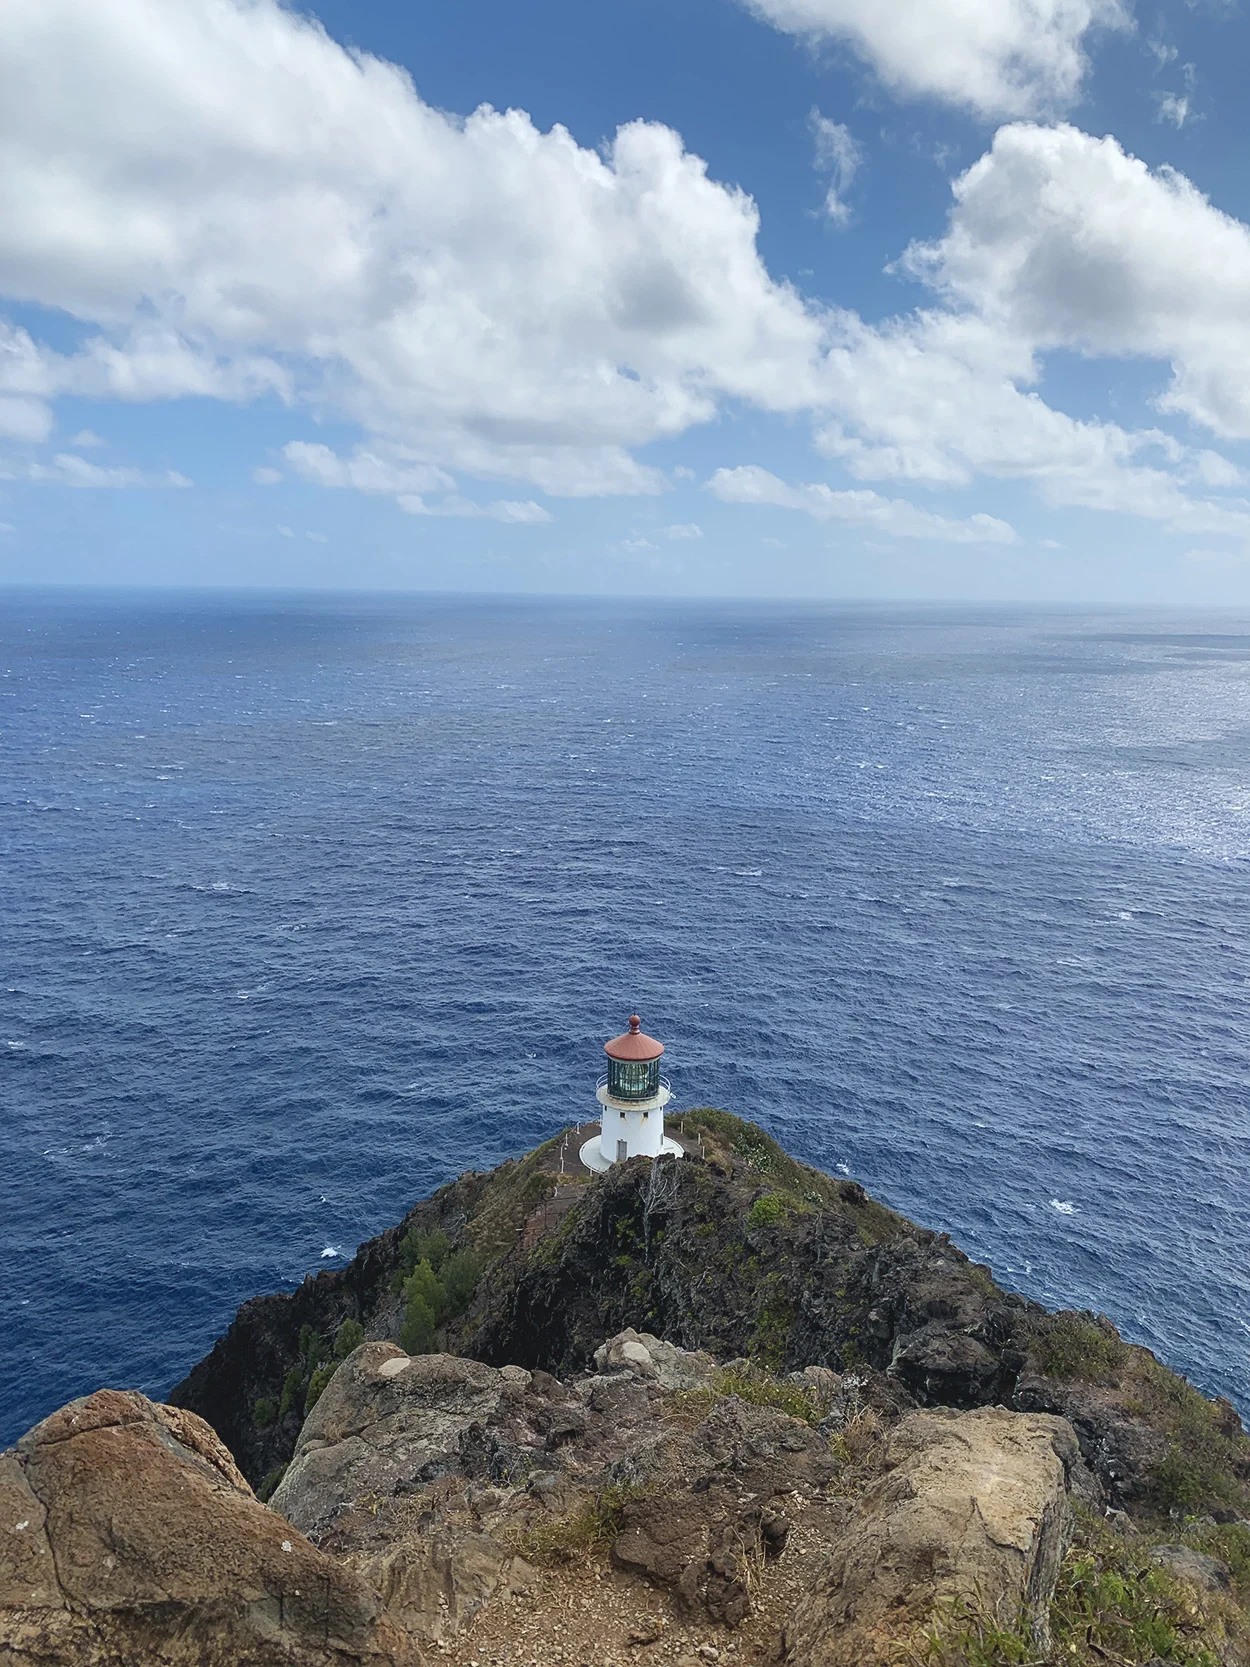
[
  {"x": 721, "y": 1411},
  {"x": 431, "y": 1495}
]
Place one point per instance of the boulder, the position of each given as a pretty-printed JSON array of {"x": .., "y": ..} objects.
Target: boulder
[
  {"x": 127, "y": 1535},
  {"x": 973, "y": 1510},
  {"x": 1207, "y": 1573},
  {"x": 1120, "y": 1447},
  {"x": 707, "y": 1503},
  {"x": 386, "y": 1422},
  {"x": 642, "y": 1355}
]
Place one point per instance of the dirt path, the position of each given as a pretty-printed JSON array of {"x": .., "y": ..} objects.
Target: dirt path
[{"x": 586, "y": 1614}]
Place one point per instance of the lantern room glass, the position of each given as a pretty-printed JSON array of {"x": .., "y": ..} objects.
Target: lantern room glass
[{"x": 633, "y": 1079}]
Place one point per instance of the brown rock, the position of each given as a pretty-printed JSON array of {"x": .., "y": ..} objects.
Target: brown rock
[
  {"x": 705, "y": 1509},
  {"x": 973, "y": 1509},
  {"x": 128, "y": 1535},
  {"x": 384, "y": 1421}
]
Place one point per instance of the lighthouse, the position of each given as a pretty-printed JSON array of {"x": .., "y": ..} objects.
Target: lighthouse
[{"x": 632, "y": 1096}]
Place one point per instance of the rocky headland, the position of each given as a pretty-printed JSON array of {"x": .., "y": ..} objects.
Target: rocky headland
[{"x": 722, "y": 1410}]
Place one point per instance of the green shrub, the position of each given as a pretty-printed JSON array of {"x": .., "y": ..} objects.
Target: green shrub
[
  {"x": 1230, "y": 1542},
  {"x": 426, "y": 1306},
  {"x": 317, "y": 1383},
  {"x": 592, "y": 1527},
  {"x": 431, "y": 1247},
  {"x": 753, "y": 1385},
  {"x": 312, "y": 1347},
  {"x": 961, "y": 1637},
  {"x": 768, "y": 1208},
  {"x": 460, "y": 1275},
  {"x": 425, "y": 1284},
  {"x": 1075, "y": 1346},
  {"x": 292, "y": 1388},
  {"x": 1111, "y": 1602},
  {"x": 416, "y": 1335},
  {"x": 264, "y": 1412},
  {"x": 1203, "y": 1463},
  {"x": 350, "y": 1335}
]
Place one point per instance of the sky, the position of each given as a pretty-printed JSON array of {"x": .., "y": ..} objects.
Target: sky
[{"x": 942, "y": 299}]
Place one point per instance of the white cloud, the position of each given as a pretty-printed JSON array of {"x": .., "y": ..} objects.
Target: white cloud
[
  {"x": 86, "y": 440},
  {"x": 1174, "y": 108},
  {"x": 935, "y": 399},
  {"x": 66, "y": 469},
  {"x": 683, "y": 529},
  {"x": 365, "y": 470},
  {"x": 317, "y": 538},
  {"x": 995, "y": 57},
  {"x": 839, "y": 156},
  {"x": 24, "y": 419},
  {"x": 1062, "y": 240},
  {"x": 266, "y": 477},
  {"x": 286, "y": 532},
  {"x": 635, "y": 546},
  {"x": 238, "y": 205},
  {"x": 6, "y": 528},
  {"x": 516, "y": 514},
  {"x": 753, "y": 485}
]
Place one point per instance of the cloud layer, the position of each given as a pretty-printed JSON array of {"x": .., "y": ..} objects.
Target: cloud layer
[
  {"x": 233, "y": 206},
  {"x": 240, "y": 205}
]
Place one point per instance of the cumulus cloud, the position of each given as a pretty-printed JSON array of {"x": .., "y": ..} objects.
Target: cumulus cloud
[
  {"x": 995, "y": 57},
  {"x": 1062, "y": 240},
  {"x": 266, "y": 477},
  {"x": 753, "y": 485},
  {"x": 683, "y": 529},
  {"x": 838, "y": 156},
  {"x": 234, "y": 204}
]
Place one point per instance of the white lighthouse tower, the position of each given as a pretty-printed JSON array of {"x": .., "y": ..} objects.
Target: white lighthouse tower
[{"x": 632, "y": 1096}]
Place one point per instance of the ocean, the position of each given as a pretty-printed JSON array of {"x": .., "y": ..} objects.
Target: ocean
[{"x": 307, "y": 904}]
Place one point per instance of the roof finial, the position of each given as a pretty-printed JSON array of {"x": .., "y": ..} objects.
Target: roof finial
[{"x": 635, "y": 1023}]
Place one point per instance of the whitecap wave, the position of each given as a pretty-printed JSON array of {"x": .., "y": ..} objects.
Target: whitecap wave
[
  {"x": 1062, "y": 1208},
  {"x": 331, "y": 1250}
]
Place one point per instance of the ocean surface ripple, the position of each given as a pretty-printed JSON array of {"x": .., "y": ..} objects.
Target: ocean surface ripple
[{"x": 309, "y": 905}]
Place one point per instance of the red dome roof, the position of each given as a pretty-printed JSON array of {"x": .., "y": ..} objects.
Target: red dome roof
[{"x": 633, "y": 1045}]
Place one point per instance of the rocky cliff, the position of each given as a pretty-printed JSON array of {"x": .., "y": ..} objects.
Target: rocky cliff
[
  {"x": 661, "y": 1508},
  {"x": 742, "y": 1252},
  {"x": 725, "y": 1410}
]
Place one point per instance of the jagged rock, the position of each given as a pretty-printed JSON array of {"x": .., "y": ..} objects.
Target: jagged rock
[
  {"x": 1196, "y": 1567},
  {"x": 127, "y": 1535},
  {"x": 1121, "y": 1449},
  {"x": 649, "y": 1357},
  {"x": 434, "y": 1584},
  {"x": 946, "y": 1368},
  {"x": 973, "y": 1508},
  {"x": 707, "y": 1503},
  {"x": 386, "y": 1421}
]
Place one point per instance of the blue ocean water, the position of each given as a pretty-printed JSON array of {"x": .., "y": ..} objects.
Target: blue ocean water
[{"x": 309, "y": 904}]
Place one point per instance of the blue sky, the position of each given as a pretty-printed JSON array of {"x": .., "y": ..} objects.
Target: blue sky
[{"x": 939, "y": 298}]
